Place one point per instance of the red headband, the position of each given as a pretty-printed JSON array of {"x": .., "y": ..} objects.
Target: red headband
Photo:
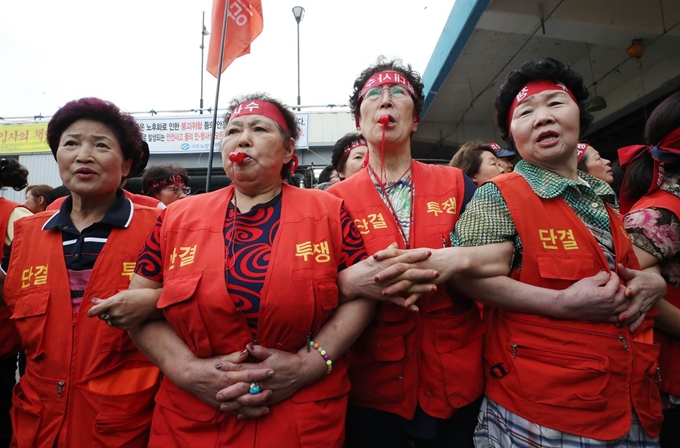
[
  {"x": 174, "y": 178},
  {"x": 388, "y": 77},
  {"x": 534, "y": 87},
  {"x": 355, "y": 144},
  {"x": 257, "y": 107},
  {"x": 667, "y": 151},
  {"x": 580, "y": 151}
]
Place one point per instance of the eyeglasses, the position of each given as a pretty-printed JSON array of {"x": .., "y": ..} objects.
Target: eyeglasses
[
  {"x": 395, "y": 91},
  {"x": 176, "y": 189}
]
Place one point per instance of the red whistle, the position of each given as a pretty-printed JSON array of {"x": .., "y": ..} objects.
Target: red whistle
[
  {"x": 237, "y": 157},
  {"x": 384, "y": 119}
]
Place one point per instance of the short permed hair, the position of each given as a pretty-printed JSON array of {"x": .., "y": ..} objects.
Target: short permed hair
[
  {"x": 288, "y": 115},
  {"x": 469, "y": 157},
  {"x": 125, "y": 128},
  {"x": 547, "y": 68},
  {"x": 40, "y": 190},
  {"x": 383, "y": 64}
]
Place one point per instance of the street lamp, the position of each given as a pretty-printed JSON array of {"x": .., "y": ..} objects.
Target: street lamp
[
  {"x": 299, "y": 13},
  {"x": 204, "y": 33}
]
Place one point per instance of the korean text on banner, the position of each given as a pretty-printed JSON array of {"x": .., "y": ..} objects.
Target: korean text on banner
[
  {"x": 23, "y": 138},
  {"x": 244, "y": 24},
  {"x": 191, "y": 133}
]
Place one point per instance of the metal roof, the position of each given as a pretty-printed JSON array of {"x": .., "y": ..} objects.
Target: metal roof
[{"x": 484, "y": 40}]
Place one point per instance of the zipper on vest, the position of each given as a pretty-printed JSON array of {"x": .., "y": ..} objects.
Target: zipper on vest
[
  {"x": 565, "y": 328},
  {"x": 625, "y": 343},
  {"x": 658, "y": 373},
  {"x": 60, "y": 387},
  {"x": 513, "y": 348}
]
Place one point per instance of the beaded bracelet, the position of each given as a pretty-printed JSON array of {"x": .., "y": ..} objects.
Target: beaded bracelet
[{"x": 322, "y": 352}]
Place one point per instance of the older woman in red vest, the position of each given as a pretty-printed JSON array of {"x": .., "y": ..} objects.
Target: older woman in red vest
[
  {"x": 85, "y": 382},
  {"x": 561, "y": 369},
  {"x": 414, "y": 376},
  {"x": 652, "y": 184},
  {"x": 258, "y": 271}
]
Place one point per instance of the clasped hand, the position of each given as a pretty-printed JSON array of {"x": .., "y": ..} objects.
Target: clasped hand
[{"x": 392, "y": 275}]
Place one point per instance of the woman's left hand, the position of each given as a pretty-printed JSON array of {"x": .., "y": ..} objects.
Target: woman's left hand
[
  {"x": 643, "y": 288},
  {"x": 291, "y": 372},
  {"x": 127, "y": 309}
]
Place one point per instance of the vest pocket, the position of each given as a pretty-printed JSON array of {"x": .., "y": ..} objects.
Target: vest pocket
[
  {"x": 321, "y": 423},
  {"x": 459, "y": 345},
  {"x": 646, "y": 376},
  {"x": 122, "y": 429},
  {"x": 178, "y": 289},
  {"x": 376, "y": 364},
  {"x": 30, "y": 317},
  {"x": 566, "y": 267},
  {"x": 327, "y": 292},
  {"x": 120, "y": 418},
  {"x": 26, "y": 415},
  {"x": 556, "y": 376},
  {"x": 183, "y": 408}
]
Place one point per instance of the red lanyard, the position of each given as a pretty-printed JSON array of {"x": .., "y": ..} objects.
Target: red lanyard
[{"x": 406, "y": 238}]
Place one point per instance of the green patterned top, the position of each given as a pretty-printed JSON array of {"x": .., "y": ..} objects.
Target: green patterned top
[{"x": 487, "y": 220}]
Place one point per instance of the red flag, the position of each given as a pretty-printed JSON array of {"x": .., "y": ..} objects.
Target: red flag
[{"x": 243, "y": 26}]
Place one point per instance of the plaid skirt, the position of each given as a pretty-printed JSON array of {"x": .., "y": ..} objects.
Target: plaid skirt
[{"x": 497, "y": 427}]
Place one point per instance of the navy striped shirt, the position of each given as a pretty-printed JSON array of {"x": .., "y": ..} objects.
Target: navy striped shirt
[{"x": 81, "y": 249}]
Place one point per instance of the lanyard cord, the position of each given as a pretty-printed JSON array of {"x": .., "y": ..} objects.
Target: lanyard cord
[{"x": 381, "y": 183}]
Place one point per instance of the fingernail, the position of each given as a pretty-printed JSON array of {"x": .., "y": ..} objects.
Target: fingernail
[
  {"x": 250, "y": 346},
  {"x": 239, "y": 417},
  {"x": 270, "y": 373},
  {"x": 218, "y": 365},
  {"x": 245, "y": 351},
  {"x": 384, "y": 293}
]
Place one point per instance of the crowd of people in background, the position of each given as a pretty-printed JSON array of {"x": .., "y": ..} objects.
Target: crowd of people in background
[{"x": 525, "y": 295}]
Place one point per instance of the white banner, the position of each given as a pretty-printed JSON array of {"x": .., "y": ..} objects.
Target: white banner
[
  {"x": 191, "y": 133},
  {"x": 303, "y": 124}
]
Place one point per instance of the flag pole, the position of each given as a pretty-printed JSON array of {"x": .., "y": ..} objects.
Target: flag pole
[{"x": 208, "y": 176}]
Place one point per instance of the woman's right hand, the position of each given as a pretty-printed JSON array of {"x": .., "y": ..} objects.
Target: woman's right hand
[
  {"x": 600, "y": 298},
  {"x": 205, "y": 377}
]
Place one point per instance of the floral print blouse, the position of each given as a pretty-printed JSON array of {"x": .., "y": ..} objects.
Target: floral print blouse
[{"x": 657, "y": 231}]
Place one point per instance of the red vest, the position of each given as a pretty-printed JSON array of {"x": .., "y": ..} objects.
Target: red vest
[
  {"x": 299, "y": 294},
  {"x": 9, "y": 338},
  {"x": 434, "y": 357},
  {"x": 669, "y": 359},
  {"x": 578, "y": 377},
  {"x": 85, "y": 384}
]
